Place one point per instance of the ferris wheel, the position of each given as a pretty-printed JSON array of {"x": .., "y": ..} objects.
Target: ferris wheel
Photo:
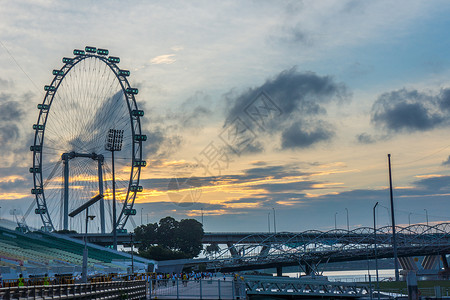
[{"x": 87, "y": 141}]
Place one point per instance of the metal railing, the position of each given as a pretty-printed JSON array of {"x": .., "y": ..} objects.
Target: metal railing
[
  {"x": 122, "y": 289},
  {"x": 196, "y": 289}
]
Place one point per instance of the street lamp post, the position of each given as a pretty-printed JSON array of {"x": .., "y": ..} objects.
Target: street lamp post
[
  {"x": 132, "y": 257},
  {"x": 335, "y": 222},
  {"x": 348, "y": 225},
  {"x": 274, "y": 223},
  {"x": 375, "y": 243},
  {"x": 113, "y": 144},
  {"x": 86, "y": 206},
  {"x": 426, "y": 214},
  {"x": 202, "y": 215}
]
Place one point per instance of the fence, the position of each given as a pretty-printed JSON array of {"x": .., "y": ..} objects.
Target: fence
[
  {"x": 433, "y": 292},
  {"x": 105, "y": 290},
  {"x": 197, "y": 289}
]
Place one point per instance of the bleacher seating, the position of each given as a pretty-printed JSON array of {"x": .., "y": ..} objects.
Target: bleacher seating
[{"x": 36, "y": 253}]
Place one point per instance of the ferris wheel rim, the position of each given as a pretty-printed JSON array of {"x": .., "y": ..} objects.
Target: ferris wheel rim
[{"x": 137, "y": 161}]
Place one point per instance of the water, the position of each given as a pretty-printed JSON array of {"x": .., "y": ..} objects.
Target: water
[{"x": 352, "y": 276}]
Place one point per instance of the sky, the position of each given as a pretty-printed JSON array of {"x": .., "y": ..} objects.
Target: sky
[{"x": 253, "y": 108}]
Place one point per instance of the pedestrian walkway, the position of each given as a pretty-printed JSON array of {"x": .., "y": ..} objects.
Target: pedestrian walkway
[{"x": 197, "y": 289}]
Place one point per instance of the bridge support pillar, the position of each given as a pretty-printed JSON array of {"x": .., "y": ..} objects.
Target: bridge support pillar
[
  {"x": 308, "y": 270},
  {"x": 233, "y": 250},
  {"x": 445, "y": 262},
  {"x": 279, "y": 271}
]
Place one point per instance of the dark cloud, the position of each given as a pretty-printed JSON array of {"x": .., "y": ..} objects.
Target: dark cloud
[
  {"x": 410, "y": 110},
  {"x": 289, "y": 106},
  {"x": 365, "y": 138},
  {"x": 276, "y": 172},
  {"x": 195, "y": 110},
  {"x": 159, "y": 144},
  {"x": 11, "y": 117},
  {"x": 446, "y": 162},
  {"x": 301, "y": 135},
  {"x": 165, "y": 130},
  {"x": 432, "y": 185},
  {"x": 296, "y": 186}
]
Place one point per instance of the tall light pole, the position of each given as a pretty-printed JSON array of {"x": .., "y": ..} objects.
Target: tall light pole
[
  {"x": 394, "y": 238},
  {"x": 375, "y": 243},
  {"x": 274, "y": 221},
  {"x": 268, "y": 221},
  {"x": 113, "y": 144},
  {"x": 409, "y": 219},
  {"x": 335, "y": 222},
  {"x": 426, "y": 214},
  {"x": 348, "y": 225},
  {"x": 202, "y": 215}
]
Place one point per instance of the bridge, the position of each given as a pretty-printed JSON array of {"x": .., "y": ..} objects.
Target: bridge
[
  {"x": 252, "y": 251},
  {"x": 310, "y": 248}
]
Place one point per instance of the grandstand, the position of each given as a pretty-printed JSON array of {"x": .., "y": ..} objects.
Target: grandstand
[{"x": 36, "y": 253}]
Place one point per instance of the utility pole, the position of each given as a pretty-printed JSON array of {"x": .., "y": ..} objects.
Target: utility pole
[
  {"x": 394, "y": 238},
  {"x": 375, "y": 243},
  {"x": 426, "y": 214}
]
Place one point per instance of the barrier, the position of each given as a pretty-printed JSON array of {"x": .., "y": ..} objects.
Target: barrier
[{"x": 104, "y": 290}]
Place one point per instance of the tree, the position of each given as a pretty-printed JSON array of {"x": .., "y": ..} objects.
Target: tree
[
  {"x": 190, "y": 235},
  {"x": 212, "y": 249},
  {"x": 147, "y": 235},
  {"x": 170, "y": 239},
  {"x": 168, "y": 233}
]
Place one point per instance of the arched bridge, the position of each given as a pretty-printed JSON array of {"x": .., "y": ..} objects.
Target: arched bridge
[{"x": 310, "y": 248}]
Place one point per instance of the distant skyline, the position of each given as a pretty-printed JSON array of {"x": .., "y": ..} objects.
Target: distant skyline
[{"x": 324, "y": 90}]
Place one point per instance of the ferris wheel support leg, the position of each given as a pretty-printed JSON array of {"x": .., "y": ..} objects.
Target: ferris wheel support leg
[
  {"x": 65, "y": 158},
  {"x": 100, "y": 191}
]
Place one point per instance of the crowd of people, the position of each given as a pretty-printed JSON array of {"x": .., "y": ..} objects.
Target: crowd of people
[{"x": 156, "y": 279}]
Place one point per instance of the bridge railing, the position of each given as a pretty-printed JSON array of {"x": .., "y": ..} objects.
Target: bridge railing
[{"x": 105, "y": 290}]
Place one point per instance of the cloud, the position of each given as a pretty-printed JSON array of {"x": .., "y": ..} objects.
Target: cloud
[
  {"x": 166, "y": 59},
  {"x": 11, "y": 118},
  {"x": 365, "y": 138},
  {"x": 5, "y": 83},
  {"x": 166, "y": 130},
  {"x": 289, "y": 106},
  {"x": 447, "y": 162},
  {"x": 160, "y": 145},
  {"x": 410, "y": 110},
  {"x": 301, "y": 135}
]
